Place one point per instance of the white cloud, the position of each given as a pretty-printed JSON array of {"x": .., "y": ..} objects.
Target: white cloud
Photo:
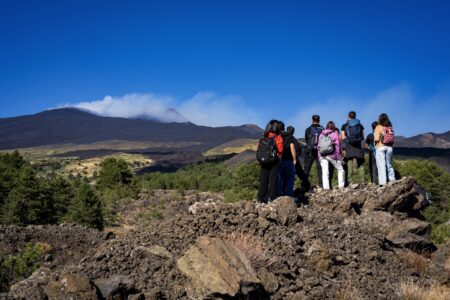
[
  {"x": 408, "y": 114},
  {"x": 205, "y": 108}
]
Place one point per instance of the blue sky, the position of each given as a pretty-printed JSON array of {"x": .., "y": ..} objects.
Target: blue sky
[{"x": 231, "y": 62}]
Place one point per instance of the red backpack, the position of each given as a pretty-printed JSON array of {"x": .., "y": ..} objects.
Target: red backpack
[{"x": 387, "y": 137}]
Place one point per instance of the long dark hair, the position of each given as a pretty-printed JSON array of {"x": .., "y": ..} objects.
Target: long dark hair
[
  {"x": 383, "y": 120},
  {"x": 272, "y": 126},
  {"x": 331, "y": 125}
]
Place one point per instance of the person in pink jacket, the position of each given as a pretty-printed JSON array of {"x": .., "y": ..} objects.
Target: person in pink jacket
[{"x": 329, "y": 150}]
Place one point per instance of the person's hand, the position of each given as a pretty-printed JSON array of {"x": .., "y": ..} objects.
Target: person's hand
[{"x": 295, "y": 162}]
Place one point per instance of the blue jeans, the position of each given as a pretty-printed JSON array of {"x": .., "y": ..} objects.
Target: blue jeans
[
  {"x": 286, "y": 178},
  {"x": 384, "y": 156}
]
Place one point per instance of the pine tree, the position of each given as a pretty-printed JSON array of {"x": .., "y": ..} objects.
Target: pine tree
[
  {"x": 114, "y": 172},
  {"x": 86, "y": 208}
]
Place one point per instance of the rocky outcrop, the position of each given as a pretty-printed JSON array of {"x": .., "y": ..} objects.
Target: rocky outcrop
[
  {"x": 334, "y": 239},
  {"x": 215, "y": 268}
]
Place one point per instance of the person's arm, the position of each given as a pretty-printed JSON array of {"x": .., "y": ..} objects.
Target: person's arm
[
  {"x": 377, "y": 135},
  {"x": 293, "y": 152},
  {"x": 307, "y": 134},
  {"x": 367, "y": 142},
  {"x": 343, "y": 136}
]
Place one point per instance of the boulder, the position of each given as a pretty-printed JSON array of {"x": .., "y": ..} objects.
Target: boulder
[
  {"x": 214, "y": 269},
  {"x": 403, "y": 195},
  {"x": 286, "y": 209},
  {"x": 32, "y": 287},
  {"x": 115, "y": 287},
  {"x": 71, "y": 286},
  {"x": 442, "y": 256},
  {"x": 412, "y": 234}
]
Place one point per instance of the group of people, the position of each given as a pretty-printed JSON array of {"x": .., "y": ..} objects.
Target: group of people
[{"x": 330, "y": 148}]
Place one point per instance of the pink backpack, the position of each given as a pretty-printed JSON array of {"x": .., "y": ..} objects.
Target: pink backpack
[{"x": 387, "y": 137}]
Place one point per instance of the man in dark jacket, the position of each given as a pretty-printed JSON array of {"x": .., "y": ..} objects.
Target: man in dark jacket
[
  {"x": 311, "y": 138},
  {"x": 352, "y": 136}
]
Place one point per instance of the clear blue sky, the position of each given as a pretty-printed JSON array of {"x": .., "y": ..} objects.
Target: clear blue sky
[{"x": 282, "y": 59}]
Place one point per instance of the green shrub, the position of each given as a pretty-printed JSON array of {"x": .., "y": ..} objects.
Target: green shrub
[
  {"x": 235, "y": 195},
  {"x": 246, "y": 176},
  {"x": 86, "y": 208},
  {"x": 15, "y": 268},
  {"x": 440, "y": 233},
  {"x": 114, "y": 172},
  {"x": 203, "y": 177},
  {"x": 435, "y": 181}
]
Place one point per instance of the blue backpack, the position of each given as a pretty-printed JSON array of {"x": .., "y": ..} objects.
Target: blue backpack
[
  {"x": 314, "y": 136},
  {"x": 353, "y": 132}
]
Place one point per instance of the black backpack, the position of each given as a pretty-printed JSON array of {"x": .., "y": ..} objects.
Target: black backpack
[
  {"x": 314, "y": 136},
  {"x": 354, "y": 133},
  {"x": 266, "y": 152}
]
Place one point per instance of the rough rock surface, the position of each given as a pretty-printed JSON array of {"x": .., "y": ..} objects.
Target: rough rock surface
[
  {"x": 216, "y": 268},
  {"x": 339, "y": 238}
]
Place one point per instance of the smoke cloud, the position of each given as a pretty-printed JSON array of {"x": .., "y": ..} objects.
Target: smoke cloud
[{"x": 408, "y": 114}]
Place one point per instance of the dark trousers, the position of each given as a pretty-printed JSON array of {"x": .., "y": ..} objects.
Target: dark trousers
[
  {"x": 309, "y": 160},
  {"x": 286, "y": 179},
  {"x": 268, "y": 182},
  {"x": 302, "y": 175},
  {"x": 373, "y": 168}
]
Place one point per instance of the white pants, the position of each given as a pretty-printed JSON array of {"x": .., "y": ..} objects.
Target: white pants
[
  {"x": 384, "y": 156},
  {"x": 326, "y": 173}
]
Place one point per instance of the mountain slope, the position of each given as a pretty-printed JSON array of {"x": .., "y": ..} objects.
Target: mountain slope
[
  {"x": 429, "y": 139},
  {"x": 68, "y": 125}
]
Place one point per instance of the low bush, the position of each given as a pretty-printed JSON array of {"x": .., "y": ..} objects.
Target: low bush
[{"x": 15, "y": 268}]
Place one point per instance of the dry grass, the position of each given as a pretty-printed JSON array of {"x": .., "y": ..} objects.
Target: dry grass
[
  {"x": 253, "y": 248},
  {"x": 348, "y": 292},
  {"x": 234, "y": 146},
  {"x": 410, "y": 290},
  {"x": 414, "y": 261}
]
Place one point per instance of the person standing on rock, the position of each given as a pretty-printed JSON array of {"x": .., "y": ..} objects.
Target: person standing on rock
[
  {"x": 352, "y": 135},
  {"x": 370, "y": 145},
  {"x": 329, "y": 151},
  {"x": 286, "y": 169},
  {"x": 268, "y": 154},
  {"x": 298, "y": 150},
  {"x": 312, "y": 134},
  {"x": 384, "y": 140}
]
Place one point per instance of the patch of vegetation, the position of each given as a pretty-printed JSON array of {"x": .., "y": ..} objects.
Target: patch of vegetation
[
  {"x": 14, "y": 268},
  {"x": 435, "y": 181},
  {"x": 27, "y": 198},
  {"x": 86, "y": 208},
  {"x": 203, "y": 177}
]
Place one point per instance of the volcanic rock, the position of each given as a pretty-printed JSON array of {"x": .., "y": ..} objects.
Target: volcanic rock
[{"x": 215, "y": 268}]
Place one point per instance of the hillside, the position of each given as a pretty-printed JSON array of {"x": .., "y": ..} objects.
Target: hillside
[
  {"x": 73, "y": 126},
  {"x": 428, "y": 140},
  {"x": 355, "y": 243}
]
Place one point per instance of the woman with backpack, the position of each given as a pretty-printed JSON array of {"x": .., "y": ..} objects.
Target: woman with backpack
[
  {"x": 329, "y": 150},
  {"x": 268, "y": 154},
  {"x": 384, "y": 140}
]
